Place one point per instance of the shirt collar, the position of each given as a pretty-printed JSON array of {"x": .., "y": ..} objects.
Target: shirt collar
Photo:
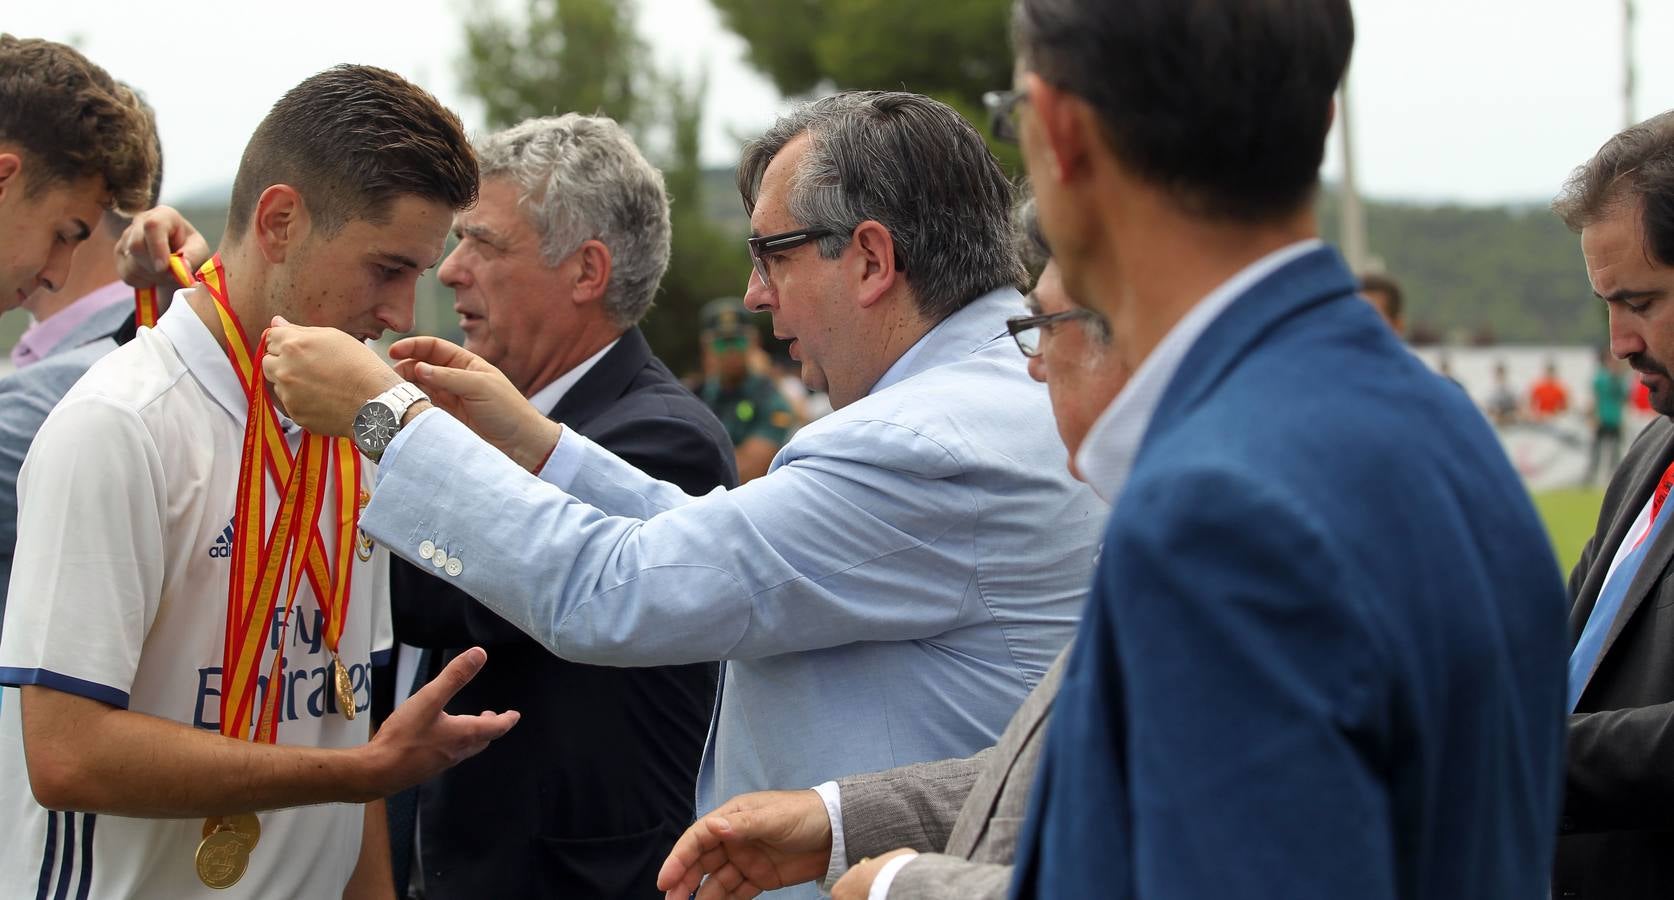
[
  {"x": 965, "y": 330},
  {"x": 546, "y": 399},
  {"x": 1107, "y": 453},
  {"x": 899, "y": 370},
  {"x": 45, "y": 336},
  {"x": 207, "y": 361}
]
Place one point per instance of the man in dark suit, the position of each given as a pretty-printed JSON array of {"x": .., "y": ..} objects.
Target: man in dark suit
[
  {"x": 1617, "y": 835},
  {"x": 1322, "y": 657},
  {"x": 555, "y": 264}
]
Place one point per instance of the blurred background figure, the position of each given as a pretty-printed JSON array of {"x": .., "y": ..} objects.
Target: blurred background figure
[
  {"x": 1444, "y": 368},
  {"x": 807, "y": 404},
  {"x": 1609, "y": 397},
  {"x": 1547, "y": 396},
  {"x": 1502, "y": 405},
  {"x": 738, "y": 387},
  {"x": 1384, "y": 293}
]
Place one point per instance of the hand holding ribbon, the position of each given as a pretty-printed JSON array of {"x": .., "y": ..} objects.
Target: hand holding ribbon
[
  {"x": 143, "y": 250},
  {"x": 322, "y": 376},
  {"x": 478, "y": 395}
]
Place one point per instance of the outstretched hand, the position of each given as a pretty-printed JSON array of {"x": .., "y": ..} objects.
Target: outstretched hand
[
  {"x": 752, "y": 843},
  {"x": 143, "y": 250},
  {"x": 479, "y": 395},
  {"x": 420, "y": 739}
]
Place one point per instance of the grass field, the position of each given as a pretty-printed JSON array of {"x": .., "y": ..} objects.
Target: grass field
[{"x": 1570, "y": 516}]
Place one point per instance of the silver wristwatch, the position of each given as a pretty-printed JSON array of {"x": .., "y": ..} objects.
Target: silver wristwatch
[{"x": 379, "y": 420}]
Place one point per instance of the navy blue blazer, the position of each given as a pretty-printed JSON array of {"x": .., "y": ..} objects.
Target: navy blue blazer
[
  {"x": 1324, "y": 654},
  {"x": 587, "y": 794}
]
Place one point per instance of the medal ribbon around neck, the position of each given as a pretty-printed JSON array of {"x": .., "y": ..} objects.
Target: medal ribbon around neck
[
  {"x": 258, "y": 561},
  {"x": 146, "y": 307}
]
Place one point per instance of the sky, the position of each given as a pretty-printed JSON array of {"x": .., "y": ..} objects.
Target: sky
[{"x": 1463, "y": 101}]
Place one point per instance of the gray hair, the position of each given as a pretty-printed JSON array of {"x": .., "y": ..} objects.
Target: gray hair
[
  {"x": 1036, "y": 253},
  {"x": 581, "y": 178},
  {"x": 1030, "y": 239},
  {"x": 913, "y": 165}
]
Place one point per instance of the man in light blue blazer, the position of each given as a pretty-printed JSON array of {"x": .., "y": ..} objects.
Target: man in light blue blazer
[
  {"x": 1324, "y": 654},
  {"x": 907, "y": 570}
]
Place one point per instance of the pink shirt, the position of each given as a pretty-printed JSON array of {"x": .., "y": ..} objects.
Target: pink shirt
[{"x": 44, "y": 336}]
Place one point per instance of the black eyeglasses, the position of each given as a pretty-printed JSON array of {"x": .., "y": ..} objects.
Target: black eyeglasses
[
  {"x": 768, "y": 244},
  {"x": 1002, "y": 113},
  {"x": 1026, "y": 330}
]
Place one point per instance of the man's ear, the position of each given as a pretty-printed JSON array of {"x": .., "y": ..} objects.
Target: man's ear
[
  {"x": 874, "y": 249},
  {"x": 11, "y": 174},
  {"x": 280, "y": 222},
  {"x": 1065, "y": 123},
  {"x": 593, "y": 266}
]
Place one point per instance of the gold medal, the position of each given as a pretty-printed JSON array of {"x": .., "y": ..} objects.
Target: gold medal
[
  {"x": 221, "y": 859},
  {"x": 245, "y": 825},
  {"x": 345, "y": 690}
]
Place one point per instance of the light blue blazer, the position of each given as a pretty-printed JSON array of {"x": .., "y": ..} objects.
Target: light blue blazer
[{"x": 886, "y": 594}]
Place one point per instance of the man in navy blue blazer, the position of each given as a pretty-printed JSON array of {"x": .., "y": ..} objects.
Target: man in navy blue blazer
[{"x": 1324, "y": 652}]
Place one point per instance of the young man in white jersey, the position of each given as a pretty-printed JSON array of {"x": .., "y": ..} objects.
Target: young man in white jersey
[{"x": 179, "y": 732}]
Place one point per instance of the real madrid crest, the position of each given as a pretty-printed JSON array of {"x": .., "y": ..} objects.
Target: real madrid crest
[{"x": 363, "y": 544}]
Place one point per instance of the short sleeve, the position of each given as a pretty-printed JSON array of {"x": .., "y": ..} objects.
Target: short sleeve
[{"x": 88, "y": 572}]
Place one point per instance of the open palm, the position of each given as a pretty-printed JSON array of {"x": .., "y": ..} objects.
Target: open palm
[{"x": 753, "y": 843}]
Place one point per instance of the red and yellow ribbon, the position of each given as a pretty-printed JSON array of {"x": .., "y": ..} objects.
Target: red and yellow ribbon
[
  {"x": 259, "y": 561},
  {"x": 146, "y": 307}
]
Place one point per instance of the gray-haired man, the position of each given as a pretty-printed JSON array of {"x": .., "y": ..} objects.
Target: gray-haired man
[
  {"x": 935, "y": 830},
  {"x": 555, "y": 265}
]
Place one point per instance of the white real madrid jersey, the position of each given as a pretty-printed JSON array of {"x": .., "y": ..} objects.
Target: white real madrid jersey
[{"x": 119, "y": 593}]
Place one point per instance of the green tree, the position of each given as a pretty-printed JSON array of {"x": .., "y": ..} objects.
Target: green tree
[
  {"x": 575, "y": 56},
  {"x": 957, "y": 48},
  {"x": 1482, "y": 274},
  {"x": 587, "y": 56},
  {"x": 952, "y": 50},
  {"x": 707, "y": 260}
]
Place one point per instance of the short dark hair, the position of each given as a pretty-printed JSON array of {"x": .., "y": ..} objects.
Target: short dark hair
[
  {"x": 913, "y": 165},
  {"x": 1224, "y": 104},
  {"x": 1637, "y": 165},
  {"x": 73, "y": 121},
  {"x": 352, "y": 140},
  {"x": 1386, "y": 285}
]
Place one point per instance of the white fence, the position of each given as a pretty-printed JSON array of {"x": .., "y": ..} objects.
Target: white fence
[{"x": 1551, "y": 453}]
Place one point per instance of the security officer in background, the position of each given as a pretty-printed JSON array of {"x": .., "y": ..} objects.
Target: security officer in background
[{"x": 756, "y": 414}]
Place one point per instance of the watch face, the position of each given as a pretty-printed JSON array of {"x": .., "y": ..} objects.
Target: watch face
[{"x": 375, "y": 427}]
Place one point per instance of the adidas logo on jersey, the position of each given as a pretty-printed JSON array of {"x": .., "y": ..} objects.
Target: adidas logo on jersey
[{"x": 222, "y": 548}]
